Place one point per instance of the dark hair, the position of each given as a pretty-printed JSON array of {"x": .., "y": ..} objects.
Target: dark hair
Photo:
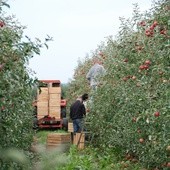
[{"x": 85, "y": 96}]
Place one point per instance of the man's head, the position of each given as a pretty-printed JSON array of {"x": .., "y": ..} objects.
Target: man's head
[
  {"x": 79, "y": 98},
  {"x": 85, "y": 96}
]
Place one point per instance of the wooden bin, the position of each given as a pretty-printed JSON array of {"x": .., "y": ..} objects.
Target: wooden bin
[
  {"x": 70, "y": 127},
  {"x": 55, "y": 112},
  {"x": 79, "y": 140},
  {"x": 55, "y": 140}
]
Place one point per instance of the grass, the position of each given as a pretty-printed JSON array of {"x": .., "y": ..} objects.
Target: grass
[{"x": 74, "y": 159}]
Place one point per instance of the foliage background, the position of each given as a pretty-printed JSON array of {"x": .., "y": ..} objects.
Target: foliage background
[
  {"x": 17, "y": 88},
  {"x": 123, "y": 112}
]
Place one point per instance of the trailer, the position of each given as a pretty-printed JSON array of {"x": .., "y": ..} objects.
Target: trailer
[{"x": 50, "y": 106}]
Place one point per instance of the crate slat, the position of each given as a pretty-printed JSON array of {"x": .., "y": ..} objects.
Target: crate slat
[
  {"x": 42, "y": 104},
  {"x": 55, "y": 96},
  {"x": 54, "y": 102},
  {"x": 54, "y": 90}
]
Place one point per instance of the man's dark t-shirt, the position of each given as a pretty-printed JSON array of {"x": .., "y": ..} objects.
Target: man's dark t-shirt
[{"x": 77, "y": 110}]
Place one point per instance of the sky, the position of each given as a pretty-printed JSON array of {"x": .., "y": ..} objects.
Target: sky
[{"x": 77, "y": 28}]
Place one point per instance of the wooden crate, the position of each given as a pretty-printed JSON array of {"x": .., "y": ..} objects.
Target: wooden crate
[
  {"x": 79, "y": 140},
  {"x": 55, "y": 111},
  {"x": 43, "y": 90},
  {"x": 55, "y": 140},
  {"x": 55, "y": 102},
  {"x": 55, "y": 96},
  {"x": 42, "y": 111},
  {"x": 42, "y": 104},
  {"x": 70, "y": 127},
  {"x": 43, "y": 93},
  {"x": 43, "y": 97},
  {"x": 55, "y": 90}
]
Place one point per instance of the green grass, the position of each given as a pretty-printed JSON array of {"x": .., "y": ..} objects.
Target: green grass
[
  {"x": 88, "y": 158},
  {"x": 92, "y": 159}
]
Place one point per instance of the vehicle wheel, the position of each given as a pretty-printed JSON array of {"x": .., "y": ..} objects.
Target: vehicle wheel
[
  {"x": 63, "y": 112},
  {"x": 65, "y": 124}
]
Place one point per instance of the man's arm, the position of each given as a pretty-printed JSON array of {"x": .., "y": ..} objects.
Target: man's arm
[
  {"x": 89, "y": 74},
  {"x": 71, "y": 113},
  {"x": 83, "y": 110}
]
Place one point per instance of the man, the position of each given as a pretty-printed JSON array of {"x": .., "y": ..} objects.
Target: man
[
  {"x": 96, "y": 70},
  {"x": 78, "y": 112}
]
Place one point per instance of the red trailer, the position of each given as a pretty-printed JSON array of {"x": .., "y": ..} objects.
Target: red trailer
[{"x": 50, "y": 106}]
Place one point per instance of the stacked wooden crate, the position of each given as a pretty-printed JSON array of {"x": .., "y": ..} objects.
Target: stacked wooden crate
[
  {"x": 55, "y": 102},
  {"x": 42, "y": 103},
  {"x": 55, "y": 140},
  {"x": 48, "y": 102}
]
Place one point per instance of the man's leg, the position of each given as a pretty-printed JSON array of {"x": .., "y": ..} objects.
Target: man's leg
[
  {"x": 75, "y": 126},
  {"x": 80, "y": 125}
]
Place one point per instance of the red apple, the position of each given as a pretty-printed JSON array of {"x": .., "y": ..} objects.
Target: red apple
[
  {"x": 125, "y": 60},
  {"x": 142, "y": 23},
  {"x": 164, "y": 32},
  {"x": 145, "y": 66},
  {"x": 2, "y": 108},
  {"x": 141, "y": 140},
  {"x": 125, "y": 78},
  {"x": 147, "y": 62},
  {"x": 138, "y": 85},
  {"x": 133, "y": 77},
  {"x": 148, "y": 33},
  {"x": 155, "y": 23},
  {"x": 141, "y": 67},
  {"x": 139, "y": 48},
  {"x": 168, "y": 148},
  {"x": 134, "y": 119},
  {"x": 139, "y": 131},
  {"x": 152, "y": 27},
  {"x": 2, "y": 24},
  {"x": 1, "y": 66},
  {"x": 156, "y": 114},
  {"x": 168, "y": 164},
  {"x": 88, "y": 110}
]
